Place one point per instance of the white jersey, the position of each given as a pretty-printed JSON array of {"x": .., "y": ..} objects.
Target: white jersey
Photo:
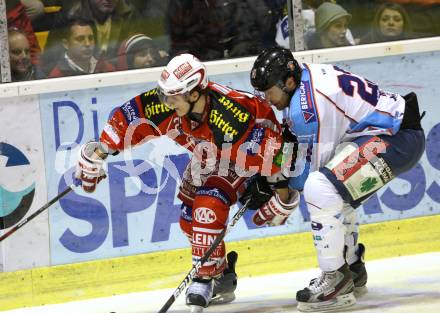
[{"x": 332, "y": 106}]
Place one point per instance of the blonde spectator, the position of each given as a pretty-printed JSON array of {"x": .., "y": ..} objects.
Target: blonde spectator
[
  {"x": 17, "y": 17},
  {"x": 19, "y": 56}
]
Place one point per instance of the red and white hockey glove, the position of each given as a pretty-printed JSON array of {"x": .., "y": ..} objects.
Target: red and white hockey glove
[
  {"x": 89, "y": 167},
  {"x": 275, "y": 212}
]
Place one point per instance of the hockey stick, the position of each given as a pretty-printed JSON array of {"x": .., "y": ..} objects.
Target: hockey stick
[
  {"x": 196, "y": 267},
  {"x": 33, "y": 215}
]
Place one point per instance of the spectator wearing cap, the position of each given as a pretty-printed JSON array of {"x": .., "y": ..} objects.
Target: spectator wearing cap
[
  {"x": 22, "y": 68},
  {"x": 331, "y": 22},
  {"x": 391, "y": 22},
  {"x": 139, "y": 51},
  {"x": 79, "y": 45}
]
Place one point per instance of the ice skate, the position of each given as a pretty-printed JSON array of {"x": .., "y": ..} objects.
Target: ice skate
[
  {"x": 225, "y": 285},
  {"x": 331, "y": 291},
  {"x": 199, "y": 294},
  {"x": 359, "y": 273}
]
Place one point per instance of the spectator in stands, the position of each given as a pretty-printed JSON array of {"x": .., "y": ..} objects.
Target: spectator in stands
[
  {"x": 79, "y": 45},
  {"x": 140, "y": 51},
  {"x": 331, "y": 22},
  {"x": 424, "y": 16},
  {"x": 17, "y": 17},
  {"x": 114, "y": 21},
  {"x": 215, "y": 29},
  {"x": 308, "y": 15},
  {"x": 391, "y": 22},
  {"x": 34, "y": 8},
  {"x": 183, "y": 24},
  {"x": 362, "y": 15},
  {"x": 19, "y": 55}
]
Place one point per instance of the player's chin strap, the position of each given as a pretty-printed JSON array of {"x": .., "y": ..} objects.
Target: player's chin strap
[
  {"x": 196, "y": 117},
  {"x": 296, "y": 79},
  {"x": 283, "y": 87}
]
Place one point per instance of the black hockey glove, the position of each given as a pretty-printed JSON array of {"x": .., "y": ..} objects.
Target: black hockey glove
[
  {"x": 287, "y": 135},
  {"x": 257, "y": 192}
]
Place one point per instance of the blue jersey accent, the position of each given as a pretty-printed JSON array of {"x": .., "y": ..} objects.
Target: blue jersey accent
[
  {"x": 377, "y": 120},
  {"x": 285, "y": 27},
  {"x": 304, "y": 123},
  {"x": 130, "y": 111}
]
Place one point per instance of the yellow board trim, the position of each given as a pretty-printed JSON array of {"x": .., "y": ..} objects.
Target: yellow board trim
[{"x": 150, "y": 271}]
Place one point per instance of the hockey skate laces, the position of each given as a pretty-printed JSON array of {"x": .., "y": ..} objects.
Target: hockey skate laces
[{"x": 320, "y": 282}]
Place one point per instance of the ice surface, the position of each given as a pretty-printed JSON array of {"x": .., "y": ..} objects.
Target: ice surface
[{"x": 398, "y": 285}]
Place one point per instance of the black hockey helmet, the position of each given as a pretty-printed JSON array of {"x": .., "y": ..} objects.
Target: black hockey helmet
[{"x": 272, "y": 67}]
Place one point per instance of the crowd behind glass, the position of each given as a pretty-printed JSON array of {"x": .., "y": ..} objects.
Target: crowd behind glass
[{"x": 56, "y": 38}]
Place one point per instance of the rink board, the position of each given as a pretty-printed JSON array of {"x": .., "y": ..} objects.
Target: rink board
[
  {"x": 136, "y": 210},
  {"x": 159, "y": 270},
  {"x": 122, "y": 229},
  {"x": 22, "y": 184}
]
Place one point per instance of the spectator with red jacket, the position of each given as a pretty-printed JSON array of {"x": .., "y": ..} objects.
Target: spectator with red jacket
[
  {"x": 113, "y": 20},
  {"x": 79, "y": 44},
  {"x": 18, "y": 18}
]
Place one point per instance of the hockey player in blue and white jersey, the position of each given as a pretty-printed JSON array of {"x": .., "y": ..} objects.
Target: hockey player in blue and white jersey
[{"x": 353, "y": 138}]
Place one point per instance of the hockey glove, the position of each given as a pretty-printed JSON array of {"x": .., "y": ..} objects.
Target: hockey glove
[
  {"x": 275, "y": 212},
  {"x": 89, "y": 167},
  {"x": 257, "y": 193}
]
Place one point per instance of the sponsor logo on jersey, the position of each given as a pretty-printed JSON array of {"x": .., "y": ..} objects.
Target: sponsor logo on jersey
[
  {"x": 204, "y": 215},
  {"x": 354, "y": 162},
  {"x": 203, "y": 239},
  {"x": 282, "y": 155},
  {"x": 15, "y": 198},
  {"x": 228, "y": 120},
  {"x": 254, "y": 140},
  {"x": 217, "y": 119},
  {"x": 130, "y": 111},
  {"x": 110, "y": 131},
  {"x": 306, "y": 103},
  {"x": 153, "y": 109},
  {"x": 180, "y": 71},
  {"x": 186, "y": 212},
  {"x": 238, "y": 113},
  {"x": 214, "y": 192},
  {"x": 384, "y": 170}
]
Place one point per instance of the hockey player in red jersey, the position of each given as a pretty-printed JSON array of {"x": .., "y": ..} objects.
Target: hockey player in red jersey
[{"x": 232, "y": 135}]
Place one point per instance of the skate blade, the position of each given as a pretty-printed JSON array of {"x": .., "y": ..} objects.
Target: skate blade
[
  {"x": 360, "y": 291},
  {"x": 196, "y": 309},
  {"x": 334, "y": 305},
  {"x": 222, "y": 298}
]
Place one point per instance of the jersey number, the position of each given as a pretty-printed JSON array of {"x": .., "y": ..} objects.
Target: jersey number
[{"x": 346, "y": 81}]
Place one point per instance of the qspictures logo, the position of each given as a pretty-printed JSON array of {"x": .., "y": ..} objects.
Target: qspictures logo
[{"x": 17, "y": 185}]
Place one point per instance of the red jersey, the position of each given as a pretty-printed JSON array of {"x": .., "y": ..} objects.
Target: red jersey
[{"x": 241, "y": 126}]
